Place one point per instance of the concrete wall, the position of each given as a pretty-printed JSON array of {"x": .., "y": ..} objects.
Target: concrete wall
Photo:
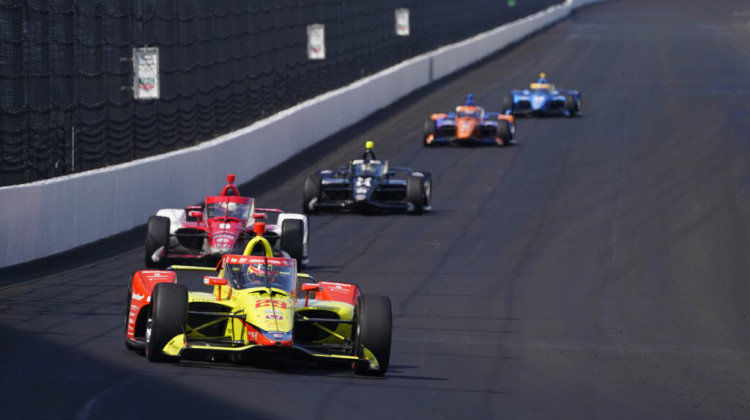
[{"x": 48, "y": 217}]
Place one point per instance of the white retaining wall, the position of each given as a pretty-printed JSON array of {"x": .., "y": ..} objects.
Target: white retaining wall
[{"x": 48, "y": 217}]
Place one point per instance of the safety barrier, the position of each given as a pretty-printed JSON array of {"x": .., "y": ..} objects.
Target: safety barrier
[{"x": 48, "y": 217}]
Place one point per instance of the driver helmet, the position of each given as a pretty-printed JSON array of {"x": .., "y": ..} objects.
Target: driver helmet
[
  {"x": 230, "y": 208},
  {"x": 257, "y": 273}
]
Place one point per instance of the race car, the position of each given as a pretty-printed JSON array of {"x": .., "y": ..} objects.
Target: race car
[
  {"x": 254, "y": 312},
  {"x": 469, "y": 124},
  {"x": 368, "y": 185},
  {"x": 543, "y": 99},
  {"x": 221, "y": 224}
]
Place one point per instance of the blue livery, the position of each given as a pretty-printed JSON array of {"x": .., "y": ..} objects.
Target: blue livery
[{"x": 543, "y": 99}]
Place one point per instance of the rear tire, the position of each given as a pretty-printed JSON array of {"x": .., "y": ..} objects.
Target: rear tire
[
  {"x": 292, "y": 239},
  {"x": 168, "y": 318},
  {"x": 372, "y": 329},
  {"x": 157, "y": 235},
  {"x": 311, "y": 193},
  {"x": 415, "y": 193}
]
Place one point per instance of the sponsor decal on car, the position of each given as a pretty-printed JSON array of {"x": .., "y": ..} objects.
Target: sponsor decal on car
[{"x": 261, "y": 303}]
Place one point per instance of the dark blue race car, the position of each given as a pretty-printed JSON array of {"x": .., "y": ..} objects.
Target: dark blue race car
[
  {"x": 543, "y": 99},
  {"x": 368, "y": 185}
]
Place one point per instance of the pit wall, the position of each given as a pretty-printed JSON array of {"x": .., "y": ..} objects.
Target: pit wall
[{"x": 48, "y": 217}]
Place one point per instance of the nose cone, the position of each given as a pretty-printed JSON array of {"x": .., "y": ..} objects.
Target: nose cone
[
  {"x": 223, "y": 236},
  {"x": 273, "y": 319},
  {"x": 537, "y": 102},
  {"x": 465, "y": 128}
]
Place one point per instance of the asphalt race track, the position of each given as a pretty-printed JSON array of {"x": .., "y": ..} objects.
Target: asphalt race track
[{"x": 597, "y": 269}]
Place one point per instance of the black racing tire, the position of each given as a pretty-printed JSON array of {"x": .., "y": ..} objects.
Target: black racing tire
[
  {"x": 157, "y": 235},
  {"x": 292, "y": 239},
  {"x": 428, "y": 130},
  {"x": 127, "y": 317},
  {"x": 373, "y": 322},
  {"x": 415, "y": 193},
  {"x": 572, "y": 105},
  {"x": 507, "y": 104},
  {"x": 311, "y": 192},
  {"x": 503, "y": 131},
  {"x": 167, "y": 318},
  {"x": 427, "y": 187}
]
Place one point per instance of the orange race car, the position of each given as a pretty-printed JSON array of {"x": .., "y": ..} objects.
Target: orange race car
[{"x": 468, "y": 125}]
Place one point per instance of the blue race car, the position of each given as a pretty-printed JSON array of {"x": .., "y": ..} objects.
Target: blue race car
[{"x": 543, "y": 99}]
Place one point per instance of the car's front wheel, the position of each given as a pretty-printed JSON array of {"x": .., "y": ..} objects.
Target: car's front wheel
[
  {"x": 507, "y": 104},
  {"x": 157, "y": 236},
  {"x": 503, "y": 132},
  {"x": 572, "y": 105},
  {"x": 311, "y": 194},
  {"x": 415, "y": 193},
  {"x": 372, "y": 331},
  {"x": 428, "y": 130},
  {"x": 167, "y": 319},
  {"x": 292, "y": 239}
]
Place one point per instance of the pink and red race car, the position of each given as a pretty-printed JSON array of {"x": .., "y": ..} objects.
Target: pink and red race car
[{"x": 222, "y": 224}]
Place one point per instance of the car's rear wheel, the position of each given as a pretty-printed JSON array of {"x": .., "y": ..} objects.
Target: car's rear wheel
[
  {"x": 415, "y": 194},
  {"x": 372, "y": 330},
  {"x": 428, "y": 130},
  {"x": 157, "y": 235},
  {"x": 167, "y": 319},
  {"x": 292, "y": 239},
  {"x": 311, "y": 194}
]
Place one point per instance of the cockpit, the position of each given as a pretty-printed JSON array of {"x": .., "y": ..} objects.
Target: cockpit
[
  {"x": 259, "y": 273},
  {"x": 228, "y": 209},
  {"x": 474, "y": 112},
  {"x": 368, "y": 168}
]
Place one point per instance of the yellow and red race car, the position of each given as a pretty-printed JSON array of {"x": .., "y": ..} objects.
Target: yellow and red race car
[
  {"x": 255, "y": 309},
  {"x": 469, "y": 124}
]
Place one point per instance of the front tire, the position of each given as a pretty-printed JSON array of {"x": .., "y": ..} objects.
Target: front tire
[
  {"x": 428, "y": 130},
  {"x": 415, "y": 193},
  {"x": 157, "y": 235},
  {"x": 167, "y": 319},
  {"x": 507, "y": 104},
  {"x": 503, "y": 132},
  {"x": 372, "y": 330},
  {"x": 292, "y": 239},
  {"x": 572, "y": 105},
  {"x": 311, "y": 194}
]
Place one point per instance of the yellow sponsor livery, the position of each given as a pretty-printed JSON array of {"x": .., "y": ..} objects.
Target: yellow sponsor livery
[{"x": 255, "y": 304}]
